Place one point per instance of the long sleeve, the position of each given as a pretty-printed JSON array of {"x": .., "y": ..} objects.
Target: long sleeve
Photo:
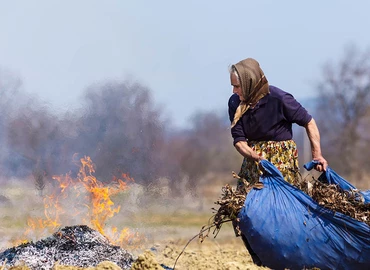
[{"x": 237, "y": 132}]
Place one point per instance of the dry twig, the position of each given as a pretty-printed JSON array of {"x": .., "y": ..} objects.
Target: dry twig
[{"x": 200, "y": 235}]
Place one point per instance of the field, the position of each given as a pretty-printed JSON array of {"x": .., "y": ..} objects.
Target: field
[
  {"x": 148, "y": 222},
  {"x": 159, "y": 227}
]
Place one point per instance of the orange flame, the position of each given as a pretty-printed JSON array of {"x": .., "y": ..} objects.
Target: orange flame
[{"x": 100, "y": 205}]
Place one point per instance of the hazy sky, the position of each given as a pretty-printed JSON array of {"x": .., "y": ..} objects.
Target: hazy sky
[{"x": 181, "y": 50}]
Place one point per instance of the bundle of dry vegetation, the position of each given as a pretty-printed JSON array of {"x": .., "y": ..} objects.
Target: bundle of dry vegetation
[
  {"x": 350, "y": 203},
  {"x": 326, "y": 195},
  {"x": 230, "y": 202}
]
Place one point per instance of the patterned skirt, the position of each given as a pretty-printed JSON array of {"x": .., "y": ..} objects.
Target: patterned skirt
[{"x": 283, "y": 154}]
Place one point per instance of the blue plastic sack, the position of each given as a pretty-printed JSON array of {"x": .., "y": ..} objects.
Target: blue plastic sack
[
  {"x": 331, "y": 177},
  {"x": 288, "y": 230}
]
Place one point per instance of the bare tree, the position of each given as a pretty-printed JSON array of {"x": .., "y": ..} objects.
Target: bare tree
[
  {"x": 344, "y": 100},
  {"x": 39, "y": 181},
  {"x": 34, "y": 134},
  {"x": 121, "y": 130},
  {"x": 206, "y": 148}
]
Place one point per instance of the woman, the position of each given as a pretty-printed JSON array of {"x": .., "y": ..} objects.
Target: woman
[{"x": 261, "y": 118}]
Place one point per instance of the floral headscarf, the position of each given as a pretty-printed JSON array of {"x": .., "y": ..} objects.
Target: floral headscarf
[{"x": 253, "y": 83}]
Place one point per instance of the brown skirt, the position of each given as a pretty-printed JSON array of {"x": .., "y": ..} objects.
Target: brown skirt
[{"x": 283, "y": 154}]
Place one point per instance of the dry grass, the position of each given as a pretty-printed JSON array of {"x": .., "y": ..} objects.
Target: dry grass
[{"x": 165, "y": 224}]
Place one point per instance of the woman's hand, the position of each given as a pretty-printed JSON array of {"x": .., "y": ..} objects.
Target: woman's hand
[{"x": 322, "y": 163}]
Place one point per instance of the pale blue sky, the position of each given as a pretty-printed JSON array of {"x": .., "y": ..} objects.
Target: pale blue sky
[{"x": 181, "y": 50}]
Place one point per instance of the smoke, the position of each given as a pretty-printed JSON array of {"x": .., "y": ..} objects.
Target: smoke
[{"x": 121, "y": 129}]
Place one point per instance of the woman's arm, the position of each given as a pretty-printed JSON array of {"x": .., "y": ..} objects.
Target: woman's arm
[
  {"x": 314, "y": 137},
  {"x": 243, "y": 148}
]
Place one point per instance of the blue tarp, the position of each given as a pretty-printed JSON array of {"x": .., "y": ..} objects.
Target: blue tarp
[
  {"x": 331, "y": 177},
  {"x": 288, "y": 230}
]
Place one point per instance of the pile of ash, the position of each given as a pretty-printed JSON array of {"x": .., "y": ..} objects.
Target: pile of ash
[{"x": 73, "y": 245}]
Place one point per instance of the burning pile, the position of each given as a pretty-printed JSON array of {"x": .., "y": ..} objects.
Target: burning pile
[
  {"x": 92, "y": 205},
  {"x": 75, "y": 246},
  {"x": 78, "y": 245}
]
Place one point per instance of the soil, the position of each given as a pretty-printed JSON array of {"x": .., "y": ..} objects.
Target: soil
[{"x": 206, "y": 255}]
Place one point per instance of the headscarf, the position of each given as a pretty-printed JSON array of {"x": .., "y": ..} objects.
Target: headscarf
[{"x": 253, "y": 83}]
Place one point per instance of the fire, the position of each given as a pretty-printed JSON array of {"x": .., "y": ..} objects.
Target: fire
[
  {"x": 101, "y": 206},
  {"x": 96, "y": 202}
]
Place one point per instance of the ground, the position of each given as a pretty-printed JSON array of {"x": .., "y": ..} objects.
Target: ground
[
  {"x": 163, "y": 227},
  {"x": 228, "y": 255}
]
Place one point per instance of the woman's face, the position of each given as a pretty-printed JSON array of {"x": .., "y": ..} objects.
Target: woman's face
[{"x": 237, "y": 89}]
